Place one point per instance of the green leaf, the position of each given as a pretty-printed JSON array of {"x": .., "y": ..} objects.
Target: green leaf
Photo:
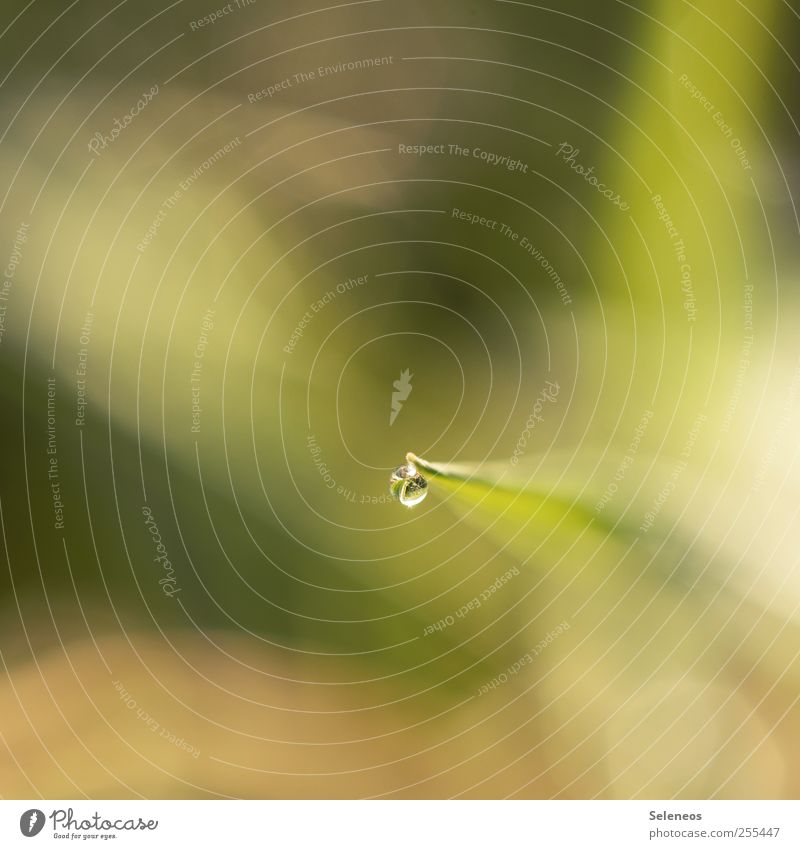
[{"x": 541, "y": 492}]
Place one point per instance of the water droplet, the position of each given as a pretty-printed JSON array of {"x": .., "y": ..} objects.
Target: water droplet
[{"x": 407, "y": 485}]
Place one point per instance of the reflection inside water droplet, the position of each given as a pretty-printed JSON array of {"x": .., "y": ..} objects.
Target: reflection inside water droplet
[{"x": 407, "y": 485}]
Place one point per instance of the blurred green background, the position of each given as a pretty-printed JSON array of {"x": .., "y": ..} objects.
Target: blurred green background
[{"x": 304, "y": 637}]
